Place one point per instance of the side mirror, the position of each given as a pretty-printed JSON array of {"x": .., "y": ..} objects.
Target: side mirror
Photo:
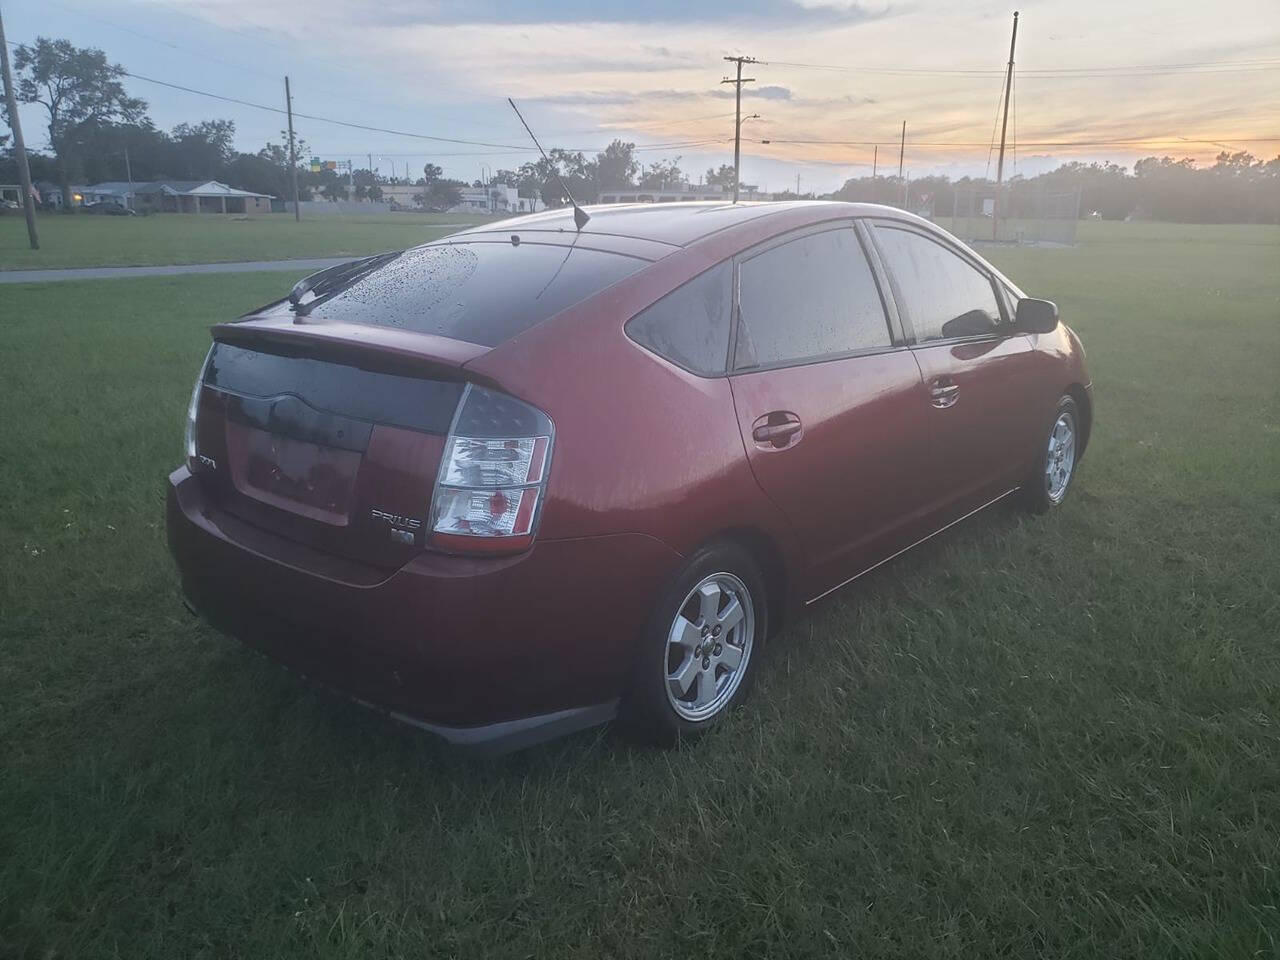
[{"x": 1036, "y": 316}]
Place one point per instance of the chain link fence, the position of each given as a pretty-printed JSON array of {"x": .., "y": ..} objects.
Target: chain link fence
[{"x": 1022, "y": 216}]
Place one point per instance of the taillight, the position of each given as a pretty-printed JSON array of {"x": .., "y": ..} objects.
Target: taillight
[
  {"x": 493, "y": 477},
  {"x": 193, "y": 409}
]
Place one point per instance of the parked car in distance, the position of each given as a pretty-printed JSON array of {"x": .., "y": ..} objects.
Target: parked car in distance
[
  {"x": 108, "y": 208},
  {"x": 516, "y": 481}
]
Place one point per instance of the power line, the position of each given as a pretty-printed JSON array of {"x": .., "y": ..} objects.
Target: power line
[
  {"x": 1207, "y": 66},
  {"x": 509, "y": 153},
  {"x": 508, "y": 147},
  {"x": 311, "y": 116},
  {"x": 1031, "y": 143}
]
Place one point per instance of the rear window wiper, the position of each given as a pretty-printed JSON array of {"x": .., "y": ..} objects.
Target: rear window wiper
[{"x": 330, "y": 282}]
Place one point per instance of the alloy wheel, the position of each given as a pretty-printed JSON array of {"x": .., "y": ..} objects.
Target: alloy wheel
[
  {"x": 708, "y": 646},
  {"x": 1061, "y": 458}
]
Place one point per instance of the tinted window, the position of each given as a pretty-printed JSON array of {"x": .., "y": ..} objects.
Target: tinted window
[
  {"x": 411, "y": 402},
  {"x": 479, "y": 292},
  {"x": 811, "y": 297},
  {"x": 690, "y": 325},
  {"x": 944, "y": 296}
]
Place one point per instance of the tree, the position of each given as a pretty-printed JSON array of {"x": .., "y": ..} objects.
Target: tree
[
  {"x": 616, "y": 167},
  {"x": 722, "y": 178},
  {"x": 442, "y": 194},
  {"x": 79, "y": 89},
  {"x": 267, "y": 171},
  {"x": 334, "y": 189},
  {"x": 663, "y": 175},
  {"x": 526, "y": 185},
  {"x": 431, "y": 173},
  {"x": 103, "y": 146},
  {"x": 202, "y": 150},
  {"x": 548, "y": 177}
]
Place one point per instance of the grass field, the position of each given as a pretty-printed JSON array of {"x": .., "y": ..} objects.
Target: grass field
[
  {"x": 1051, "y": 736},
  {"x": 98, "y": 241}
]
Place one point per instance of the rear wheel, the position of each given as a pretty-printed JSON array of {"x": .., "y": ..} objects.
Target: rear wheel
[
  {"x": 697, "y": 652},
  {"x": 1055, "y": 466}
]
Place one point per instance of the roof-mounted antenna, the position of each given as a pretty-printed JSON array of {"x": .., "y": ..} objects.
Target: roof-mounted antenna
[{"x": 580, "y": 216}]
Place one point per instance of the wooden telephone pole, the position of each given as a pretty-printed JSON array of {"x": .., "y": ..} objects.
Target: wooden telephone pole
[
  {"x": 19, "y": 145},
  {"x": 737, "y": 116},
  {"x": 1004, "y": 125},
  {"x": 902, "y": 151},
  {"x": 293, "y": 153}
]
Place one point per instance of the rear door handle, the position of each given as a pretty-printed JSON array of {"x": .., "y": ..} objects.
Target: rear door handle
[
  {"x": 776, "y": 430},
  {"x": 943, "y": 392}
]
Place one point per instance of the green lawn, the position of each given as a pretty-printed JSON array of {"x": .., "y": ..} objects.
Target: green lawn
[
  {"x": 98, "y": 241},
  {"x": 1052, "y": 736}
]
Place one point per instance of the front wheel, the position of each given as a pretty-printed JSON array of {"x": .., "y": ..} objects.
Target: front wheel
[
  {"x": 696, "y": 658},
  {"x": 1057, "y": 458}
]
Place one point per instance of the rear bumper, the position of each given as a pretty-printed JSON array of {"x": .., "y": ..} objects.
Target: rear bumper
[{"x": 495, "y": 652}]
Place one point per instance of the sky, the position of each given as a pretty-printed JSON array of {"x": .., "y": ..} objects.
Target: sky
[{"x": 586, "y": 71}]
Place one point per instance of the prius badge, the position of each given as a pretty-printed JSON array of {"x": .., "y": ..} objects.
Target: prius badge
[{"x": 402, "y": 529}]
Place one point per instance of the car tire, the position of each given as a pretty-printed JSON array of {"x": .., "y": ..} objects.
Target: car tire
[
  {"x": 698, "y": 651},
  {"x": 1057, "y": 457}
]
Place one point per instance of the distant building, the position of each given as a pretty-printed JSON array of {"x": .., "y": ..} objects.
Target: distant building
[
  {"x": 675, "y": 193},
  {"x": 51, "y": 194},
  {"x": 402, "y": 194},
  {"x": 177, "y": 196},
  {"x": 496, "y": 198}
]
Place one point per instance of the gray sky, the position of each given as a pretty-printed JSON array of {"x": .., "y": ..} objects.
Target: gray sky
[{"x": 586, "y": 71}]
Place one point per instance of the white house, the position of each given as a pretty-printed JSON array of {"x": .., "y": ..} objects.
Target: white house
[
  {"x": 177, "y": 196},
  {"x": 496, "y": 198}
]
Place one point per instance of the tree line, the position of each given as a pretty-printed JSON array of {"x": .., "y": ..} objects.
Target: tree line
[
  {"x": 93, "y": 125},
  {"x": 1236, "y": 188}
]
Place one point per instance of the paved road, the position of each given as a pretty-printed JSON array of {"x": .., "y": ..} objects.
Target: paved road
[{"x": 100, "y": 273}]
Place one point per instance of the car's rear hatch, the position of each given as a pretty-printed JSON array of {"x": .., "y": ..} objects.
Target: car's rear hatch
[
  {"x": 329, "y": 434},
  {"x": 324, "y": 417}
]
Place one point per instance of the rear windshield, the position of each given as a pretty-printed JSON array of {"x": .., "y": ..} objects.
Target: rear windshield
[{"x": 483, "y": 293}]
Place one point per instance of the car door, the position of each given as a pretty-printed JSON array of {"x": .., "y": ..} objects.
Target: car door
[
  {"x": 825, "y": 393},
  {"x": 977, "y": 373}
]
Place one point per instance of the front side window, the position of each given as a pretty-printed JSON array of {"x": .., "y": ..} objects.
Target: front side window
[
  {"x": 808, "y": 298},
  {"x": 690, "y": 325},
  {"x": 944, "y": 295}
]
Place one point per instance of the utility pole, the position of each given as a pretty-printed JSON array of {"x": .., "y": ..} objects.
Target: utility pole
[
  {"x": 737, "y": 117},
  {"x": 797, "y": 186},
  {"x": 1004, "y": 125},
  {"x": 875, "y": 159},
  {"x": 293, "y": 153},
  {"x": 19, "y": 145},
  {"x": 128, "y": 173},
  {"x": 902, "y": 150}
]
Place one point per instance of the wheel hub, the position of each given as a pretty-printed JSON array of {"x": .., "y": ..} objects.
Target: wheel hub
[
  {"x": 1061, "y": 457},
  {"x": 708, "y": 646}
]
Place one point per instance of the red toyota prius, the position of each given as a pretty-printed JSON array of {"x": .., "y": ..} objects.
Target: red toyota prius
[{"x": 529, "y": 477}]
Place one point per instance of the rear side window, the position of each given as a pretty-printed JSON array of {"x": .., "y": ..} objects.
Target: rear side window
[
  {"x": 945, "y": 296},
  {"x": 690, "y": 325},
  {"x": 808, "y": 298},
  {"x": 483, "y": 293}
]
